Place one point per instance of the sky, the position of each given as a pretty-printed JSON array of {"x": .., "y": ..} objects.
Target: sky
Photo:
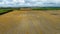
[{"x": 29, "y": 3}]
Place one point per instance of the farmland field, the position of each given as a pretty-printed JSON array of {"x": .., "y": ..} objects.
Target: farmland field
[{"x": 30, "y": 22}]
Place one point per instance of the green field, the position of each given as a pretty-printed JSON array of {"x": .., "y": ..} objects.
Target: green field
[
  {"x": 4, "y": 10},
  {"x": 46, "y": 8}
]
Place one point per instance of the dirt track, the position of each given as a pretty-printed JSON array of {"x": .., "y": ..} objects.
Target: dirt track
[{"x": 30, "y": 22}]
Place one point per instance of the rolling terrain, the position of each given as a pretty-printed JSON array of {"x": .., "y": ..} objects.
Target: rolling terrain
[{"x": 30, "y": 22}]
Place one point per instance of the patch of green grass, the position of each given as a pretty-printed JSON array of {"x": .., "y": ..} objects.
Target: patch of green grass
[
  {"x": 46, "y": 8},
  {"x": 2, "y": 10}
]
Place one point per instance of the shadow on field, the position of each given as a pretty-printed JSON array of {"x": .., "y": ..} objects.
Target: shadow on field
[{"x": 55, "y": 14}]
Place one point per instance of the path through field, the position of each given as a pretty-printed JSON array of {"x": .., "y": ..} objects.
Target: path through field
[{"x": 30, "y": 22}]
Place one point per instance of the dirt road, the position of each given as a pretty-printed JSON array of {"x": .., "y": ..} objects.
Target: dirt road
[{"x": 30, "y": 22}]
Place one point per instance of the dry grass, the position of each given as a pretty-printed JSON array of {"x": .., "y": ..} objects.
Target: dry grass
[{"x": 11, "y": 20}]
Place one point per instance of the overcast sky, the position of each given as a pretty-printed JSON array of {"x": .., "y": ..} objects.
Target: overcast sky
[{"x": 24, "y": 3}]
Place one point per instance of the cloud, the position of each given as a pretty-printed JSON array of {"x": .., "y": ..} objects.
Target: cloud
[{"x": 24, "y": 3}]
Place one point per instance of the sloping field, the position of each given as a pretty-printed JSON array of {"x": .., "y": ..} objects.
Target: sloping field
[{"x": 30, "y": 22}]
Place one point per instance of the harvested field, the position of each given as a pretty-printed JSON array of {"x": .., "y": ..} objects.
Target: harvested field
[{"x": 30, "y": 22}]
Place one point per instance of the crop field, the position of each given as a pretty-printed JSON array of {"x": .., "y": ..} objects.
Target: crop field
[{"x": 30, "y": 22}]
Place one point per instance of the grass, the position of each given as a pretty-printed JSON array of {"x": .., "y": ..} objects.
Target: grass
[
  {"x": 46, "y": 8},
  {"x": 3, "y": 10}
]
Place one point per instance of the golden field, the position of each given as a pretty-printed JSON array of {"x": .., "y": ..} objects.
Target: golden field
[{"x": 30, "y": 22}]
